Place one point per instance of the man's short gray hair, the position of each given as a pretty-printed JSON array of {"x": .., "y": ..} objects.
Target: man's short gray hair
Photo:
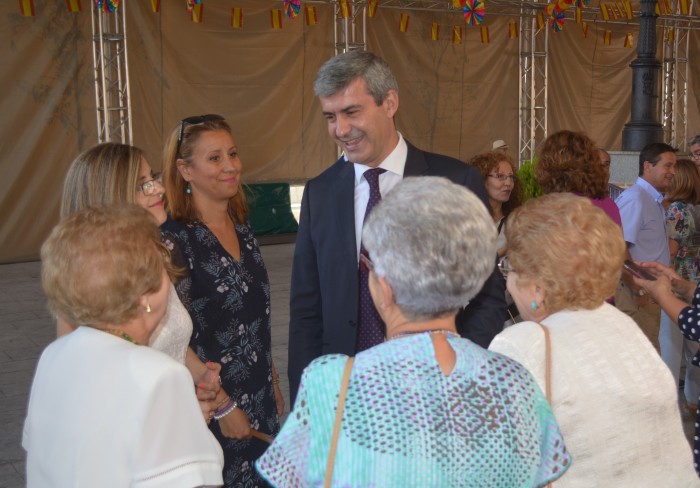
[
  {"x": 694, "y": 140},
  {"x": 341, "y": 70},
  {"x": 435, "y": 244}
]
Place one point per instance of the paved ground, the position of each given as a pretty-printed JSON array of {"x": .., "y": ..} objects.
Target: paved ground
[{"x": 26, "y": 328}]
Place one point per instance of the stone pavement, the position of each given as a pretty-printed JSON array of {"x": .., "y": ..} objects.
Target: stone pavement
[{"x": 26, "y": 328}]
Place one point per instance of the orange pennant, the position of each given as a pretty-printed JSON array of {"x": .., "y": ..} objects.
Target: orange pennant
[
  {"x": 237, "y": 17},
  {"x": 155, "y": 6},
  {"x": 435, "y": 31},
  {"x": 345, "y": 9},
  {"x": 197, "y": 13},
  {"x": 457, "y": 35},
  {"x": 372, "y": 8},
  {"x": 311, "y": 18},
  {"x": 276, "y": 18},
  {"x": 26, "y": 7},
  {"x": 484, "y": 34},
  {"x": 73, "y": 6},
  {"x": 513, "y": 29},
  {"x": 403, "y": 23}
]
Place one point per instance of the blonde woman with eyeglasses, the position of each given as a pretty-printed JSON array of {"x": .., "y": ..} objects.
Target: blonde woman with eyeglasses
[{"x": 113, "y": 174}]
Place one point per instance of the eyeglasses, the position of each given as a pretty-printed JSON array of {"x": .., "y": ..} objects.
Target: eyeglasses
[
  {"x": 149, "y": 187},
  {"x": 502, "y": 177},
  {"x": 695, "y": 155},
  {"x": 367, "y": 262},
  {"x": 504, "y": 266},
  {"x": 195, "y": 120}
]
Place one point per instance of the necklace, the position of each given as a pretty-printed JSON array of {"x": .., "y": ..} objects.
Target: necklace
[
  {"x": 448, "y": 333},
  {"x": 122, "y": 334}
]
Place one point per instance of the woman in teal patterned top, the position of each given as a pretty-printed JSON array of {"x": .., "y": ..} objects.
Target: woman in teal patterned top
[
  {"x": 683, "y": 229},
  {"x": 426, "y": 407}
]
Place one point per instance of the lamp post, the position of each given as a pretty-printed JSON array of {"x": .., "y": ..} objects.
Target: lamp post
[{"x": 644, "y": 126}]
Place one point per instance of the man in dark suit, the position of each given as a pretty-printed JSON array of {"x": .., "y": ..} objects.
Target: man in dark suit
[{"x": 359, "y": 98}]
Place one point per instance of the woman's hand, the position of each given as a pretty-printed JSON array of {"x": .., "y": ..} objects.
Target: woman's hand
[
  {"x": 679, "y": 286},
  {"x": 235, "y": 425},
  {"x": 207, "y": 388},
  {"x": 279, "y": 399}
]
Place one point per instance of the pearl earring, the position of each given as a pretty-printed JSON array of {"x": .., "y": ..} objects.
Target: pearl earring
[
  {"x": 148, "y": 308},
  {"x": 188, "y": 190},
  {"x": 533, "y": 305}
]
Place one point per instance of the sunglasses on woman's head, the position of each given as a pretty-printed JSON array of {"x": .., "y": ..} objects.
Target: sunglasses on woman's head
[{"x": 194, "y": 120}]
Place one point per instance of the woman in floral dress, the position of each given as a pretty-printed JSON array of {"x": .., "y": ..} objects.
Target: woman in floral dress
[{"x": 225, "y": 287}]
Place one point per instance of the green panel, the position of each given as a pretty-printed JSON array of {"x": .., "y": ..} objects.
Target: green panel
[{"x": 270, "y": 209}]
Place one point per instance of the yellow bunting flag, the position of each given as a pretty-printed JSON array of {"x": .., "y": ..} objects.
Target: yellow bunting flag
[
  {"x": 311, "y": 17},
  {"x": 604, "y": 11},
  {"x": 237, "y": 17},
  {"x": 345, "y": 9},
  {"x": 612, "y": 10},
  {"x": 435, "y": 31},
  {"x": 403, "y": 23},
  {"x": 578, "y": 15},
  {"x": 197, "y": 13},
  {"x": 584, "y": 29},
  {"x": 155, "y": 6},
  {"x": 26, "y": 7},
  {"x": 628, "y": 40},
  {"x": 540, "y": 20},
  {"x": 457, "y": 4},
  {"x": 276, "y": 18},
  {"x": 484, "y": 34},
  {"x": 513, "y": 29},
  {"x": 683, "y": 5},
  {"x": 667, "y": 7},
  {"x": 657, "y": 10},
  {"x": 456, "y": 35},
  {"x": 628, "y": 9},
  {"x": 73, "y": 6},
  {"x": 607, "y": 38},
  {"x": 372, "y": 8},
  {"x": 671, "y": 35}
]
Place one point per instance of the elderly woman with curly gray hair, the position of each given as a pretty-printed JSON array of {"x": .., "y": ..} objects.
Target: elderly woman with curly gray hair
[{"x": 426, "y": 407}]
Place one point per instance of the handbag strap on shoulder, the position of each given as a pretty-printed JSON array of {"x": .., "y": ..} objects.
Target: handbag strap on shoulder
[{"x": 338, "y": 419}]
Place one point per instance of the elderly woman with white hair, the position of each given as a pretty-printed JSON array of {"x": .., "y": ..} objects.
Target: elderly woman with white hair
[{"x": 426, "y": 407}]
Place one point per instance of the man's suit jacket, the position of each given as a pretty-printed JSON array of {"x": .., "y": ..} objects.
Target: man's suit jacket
[{"x": 324, "y": 291}]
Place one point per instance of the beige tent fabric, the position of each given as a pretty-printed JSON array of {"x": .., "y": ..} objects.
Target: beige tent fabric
[{"x": 454, "y": 99}]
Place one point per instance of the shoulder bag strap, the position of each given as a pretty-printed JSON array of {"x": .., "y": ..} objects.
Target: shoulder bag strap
[
  {"x": 548, "y": 369},
  {"x": 338, "y": 419}
]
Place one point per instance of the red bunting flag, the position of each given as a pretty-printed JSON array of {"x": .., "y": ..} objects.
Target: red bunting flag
[
  {"x": 73, "y": 6},
  {"x": 484, "y": 34},
  {"x": 684, "y": 7},
  {"x": 667, "y": 7},
  {"x": 345, "y": 9},
  {"x": 628, "y": 40},
  {"x": 372, "y": 8},
  {"x": 457, "y": 35},
  {"x": 237, "y": 17},
  {"x": 403, "y": 23},
  {"x": 311, "y": 18},
  {"x": 540, "y": 20},
  {"x": 26, "y": 7},
  {"x": 457, "y": 3},
  {"x": 197, "y": 13},
  {"x": 435, "y": 31},
  {"x": 607, "y": 38},
  {"x": 584, "y": 29},
  {"x": 155, "y": 6},
  {"x": 578, "y": 15},
  {"x": 513, "y": 29},
  {"x": 276, "y": 18}
]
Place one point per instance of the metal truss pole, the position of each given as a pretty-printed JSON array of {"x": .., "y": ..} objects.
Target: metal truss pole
[
  {"x": 674, "y": 108},
  {"x": 109, "y": 55},
  {"x": 533, "y": 48},
  {"x": 350, "y": 32}
]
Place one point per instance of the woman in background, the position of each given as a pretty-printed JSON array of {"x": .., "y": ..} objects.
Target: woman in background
[
  {"x": 114, "y": 174},
  {"x": 105, "y": 410},
  {"x": 612, "y": 395},
  {"x": 426, "y": 408},
  {"x": 503, "y": 189},
  {"x": 683, "y": 229},
  {"x": 225, "y": 286}
]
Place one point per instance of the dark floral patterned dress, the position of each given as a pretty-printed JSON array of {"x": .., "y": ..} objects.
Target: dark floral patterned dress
[{"x": 229, "y": 302}]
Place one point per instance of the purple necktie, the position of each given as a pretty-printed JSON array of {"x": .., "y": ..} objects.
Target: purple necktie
[{"x": 370, "y": 328}]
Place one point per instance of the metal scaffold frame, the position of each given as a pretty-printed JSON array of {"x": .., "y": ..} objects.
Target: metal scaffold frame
[
  {"x": 674, "y": 96},
  {"x": 110, "y": 61},
  {"x": 348, "y": 34}
]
